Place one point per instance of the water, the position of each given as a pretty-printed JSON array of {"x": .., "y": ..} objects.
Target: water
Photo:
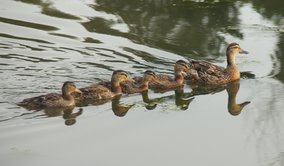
[{"x": 44, "y": 43}]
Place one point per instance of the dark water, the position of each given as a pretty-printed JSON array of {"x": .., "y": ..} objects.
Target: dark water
[{"x": 44, "y": 43}]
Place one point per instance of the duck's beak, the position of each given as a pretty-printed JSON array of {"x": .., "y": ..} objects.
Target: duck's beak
[
  {"x": 78, "y": 91},
  {"x": 243, "y": 51}
]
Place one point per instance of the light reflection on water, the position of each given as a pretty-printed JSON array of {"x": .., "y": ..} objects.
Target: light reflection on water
[{"x": 44, "y": 43}]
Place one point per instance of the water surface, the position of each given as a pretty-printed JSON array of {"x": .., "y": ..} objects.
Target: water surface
[{"x": 45, "y": 43}]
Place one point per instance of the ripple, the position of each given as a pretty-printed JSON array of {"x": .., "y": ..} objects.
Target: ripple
[
  {"x": 28, "y": 24},
  {"x": 64, "y": 35},
  {"x": 24, "y": 38},
  {"x": 26, "y": 58}
]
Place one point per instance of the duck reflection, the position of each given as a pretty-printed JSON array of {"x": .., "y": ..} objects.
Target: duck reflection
[
  {"x": 121, "y": 109},
  {"x": 118, "y": 108},
  {"x": 70, "y": 117},
  {"x": 232, "y": 90},
  {"x": 180, "y": 100},
  {"x": 67, "y": 114}
]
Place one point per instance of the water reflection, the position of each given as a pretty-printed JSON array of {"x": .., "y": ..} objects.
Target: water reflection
[
  {"x": 48, "y": 9},
  {"x": 46, "y": 42},
  {"x": 273, "y": 11},
  {"x": 183, "y": 100},
  {"x": 68, "y": 114},
  {"x": 121, "y": 109},
  {"x": 177, "y": 26},
  {"x": 180, "y": 101},
  {"x": 232, "y": 90},
  {"x": 118, "y": 108}
]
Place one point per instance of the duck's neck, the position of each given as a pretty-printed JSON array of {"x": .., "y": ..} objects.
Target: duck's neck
[
  {"x": 144, "y": 86},
  {"x": 231, "y": 59},
  {"x": 232, "y": 69},
  {"x": 232, "y": 91},
  {"x": 232, "y": 94},
  {"x": 115, "y": 87},
  {"x": 179, "y": 77},
  {"x": 67, "y": 96}
]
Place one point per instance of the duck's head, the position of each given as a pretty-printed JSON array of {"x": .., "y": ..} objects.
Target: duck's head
[
  {"x": 234, "y": 49},
  {"x": 120, "y": 75},
  {"x": 181, "y": 66},
  {"x": 69, "y": 87},
  {"x": 150, "y": 76}
]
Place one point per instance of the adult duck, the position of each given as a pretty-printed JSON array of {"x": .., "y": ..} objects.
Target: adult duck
[
  {"x": 53, "y": 100},
  {"x": 207, "y": 73}
]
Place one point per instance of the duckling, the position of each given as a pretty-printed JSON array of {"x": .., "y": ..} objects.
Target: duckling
[
  {"x": 207, "y": 73},
  {"x": 149, "y": 76},
  {"x": 100, "y": 92},
  {"x": 168, "y": 82},
  {"x": 53, "y": 100},
  {"x": 131, "y": 87}
]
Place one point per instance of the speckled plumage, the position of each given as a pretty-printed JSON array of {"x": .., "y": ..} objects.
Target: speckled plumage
[
  {"x": 136, "y": 86},
  {"x": 52, "y": 100},
  {"x": 207, "y": 73},
  {"x": 96, "y": 92},
  {"x": 168, "y": 82}
]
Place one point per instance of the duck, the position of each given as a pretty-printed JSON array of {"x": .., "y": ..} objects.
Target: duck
[
  {"x": 53, "y": 100},
  {"x": 130, "y": 87},
  {"x": 96, "y": 92},
  {"x": 207, "y": 73},
  {"x": 168, "y": 82}
]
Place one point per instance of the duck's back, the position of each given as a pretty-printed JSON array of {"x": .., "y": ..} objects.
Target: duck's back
[
  {"x": 207, "y": 73},
  {"x": 126, "y": 86},
  {"x": 48, "y": 100},
  {"x": 94, "y": 92},
  {"x": 166, "y": 82}
]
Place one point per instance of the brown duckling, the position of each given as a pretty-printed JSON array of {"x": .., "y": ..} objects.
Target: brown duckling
[
  {"x": 207, "y": 73},
  {"x": 100, "y": 92},
  {"x": 53, "y": 100},
  {"x": 168, "y": 82},
  {"x": 131, "y": 87}
]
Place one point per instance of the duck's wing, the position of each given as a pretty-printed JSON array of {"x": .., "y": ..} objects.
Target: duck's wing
[
  {"x": 94, "y": 92},
  {"x": 131, "y": 87},
  {"x": 127, "y": 86},
  {"x": 205, "y": 72},
  {"x": 138, "y": 80},
  {"x": 166, "y": 82},
  {"x": 105, "y": 83},
  {"x": 165, "y": 77},
  {"x": 47, "y": 100}
]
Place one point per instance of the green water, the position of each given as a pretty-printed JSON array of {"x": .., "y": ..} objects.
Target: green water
[{"x": 44, "y": 43}]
